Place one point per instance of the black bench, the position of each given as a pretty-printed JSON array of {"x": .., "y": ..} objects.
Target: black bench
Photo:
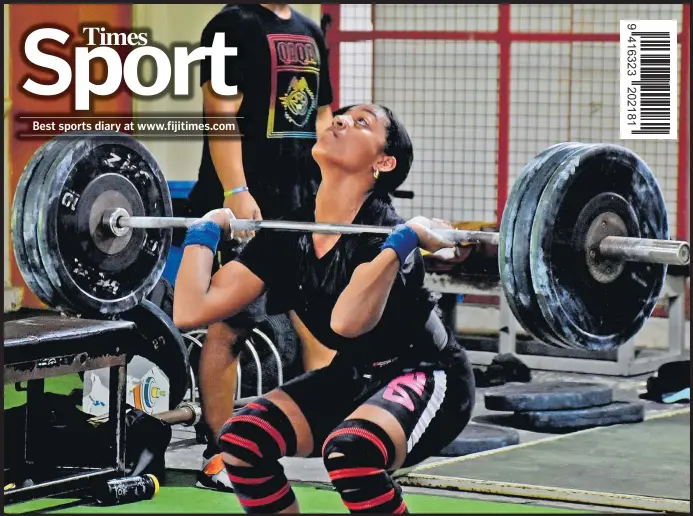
[{"x": 36, "y": 348}]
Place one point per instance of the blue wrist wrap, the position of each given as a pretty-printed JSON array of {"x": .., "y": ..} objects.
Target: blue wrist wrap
[
  {"x": 203, "y": 232},
  {"x": 403, "y": 240}
]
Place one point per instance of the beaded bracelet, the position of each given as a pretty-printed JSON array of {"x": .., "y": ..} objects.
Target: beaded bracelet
[{"x": 235, "y": 191}]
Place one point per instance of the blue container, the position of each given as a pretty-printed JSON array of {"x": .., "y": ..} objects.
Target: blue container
[{"x": 179, "y": 190}]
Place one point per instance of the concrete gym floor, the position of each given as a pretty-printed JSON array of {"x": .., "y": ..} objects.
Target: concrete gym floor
[{"x": 642, "y": 466}]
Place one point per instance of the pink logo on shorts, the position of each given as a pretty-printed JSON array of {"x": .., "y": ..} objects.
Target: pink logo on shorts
[{"x": 395, "y": 392}]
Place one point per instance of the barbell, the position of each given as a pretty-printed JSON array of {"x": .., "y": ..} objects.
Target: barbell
[
  {"x": 583, "y": 243},
  {"x": 668, "y": 252}
]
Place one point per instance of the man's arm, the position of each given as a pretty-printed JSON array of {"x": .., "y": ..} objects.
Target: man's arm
[
  {"x": 324, "y": 119},
  {"x": 226, "y": 152},
  {"x": 227, "y": 156}
]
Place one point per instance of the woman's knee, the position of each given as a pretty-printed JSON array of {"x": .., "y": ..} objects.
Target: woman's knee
[
  {"x": 252, "y": 442},
  {"x": 358, "y": 443},
  {"x": 357, "y": 455},
  {"x": 259, "y": 432}
]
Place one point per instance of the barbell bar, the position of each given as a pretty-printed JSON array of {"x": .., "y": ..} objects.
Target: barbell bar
[
  {"x": 453, "y": 235},
  {"x": 668, "y": 252}
]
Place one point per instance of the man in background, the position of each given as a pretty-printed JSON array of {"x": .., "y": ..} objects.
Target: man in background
[{"x": 283, "y": 98}]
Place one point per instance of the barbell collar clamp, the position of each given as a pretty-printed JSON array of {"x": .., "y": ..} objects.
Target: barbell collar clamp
[
  {"x": 669, "y": 252},
  {"x": 110, "y": 220}
]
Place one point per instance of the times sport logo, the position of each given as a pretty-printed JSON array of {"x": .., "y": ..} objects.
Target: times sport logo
[{"x": 98, "y": 45}]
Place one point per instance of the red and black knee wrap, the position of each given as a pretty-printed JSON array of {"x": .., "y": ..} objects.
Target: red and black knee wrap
[
  {"x": 259, "y": 435},
  {"x": 357, "y": 454}
]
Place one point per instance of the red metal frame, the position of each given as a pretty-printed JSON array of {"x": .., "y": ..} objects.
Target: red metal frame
[
  {"x": 505, "y": 37},
  {"x": 683, "y": 172},
  {"x": 503, "y": 107},
  {"x": 352, "y": 36}
]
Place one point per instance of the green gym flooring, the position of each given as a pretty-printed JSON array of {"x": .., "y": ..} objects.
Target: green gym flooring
[
  {"x": 180, "y": 498},
  {"x": 191, "y": 500},
  {"x": 58, "y": 385}
]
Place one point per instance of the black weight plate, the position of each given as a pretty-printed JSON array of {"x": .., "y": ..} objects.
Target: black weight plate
[
  {"x": 516, "y": 298},
  {"x": 513, "y": 253},
  {"x": 93, "y": 280},
  {"x": 37, "y": 283},
  {"x": 561, "y": 420},
  {"x": 527, "y": 302},
  {"x": 548, "y": 396},
  {"x": 280, "y": 332},
  {"x": 586, "y": 313},
  {"x": 31, "y": 211},
  {"x": 477, "y": 438},
  {"x": 110, "y": 252},
  {"x": 35, "y": 198},
  {"x": 507, "y": 228},
  {"x": 162, "y": 344}
]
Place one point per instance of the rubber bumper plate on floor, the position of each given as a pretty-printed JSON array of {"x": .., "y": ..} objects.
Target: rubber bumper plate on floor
[
  {"x": 521, "y": 397},
  {"x": 561, "y": 420},
  {"x": 477, "y": 438}
]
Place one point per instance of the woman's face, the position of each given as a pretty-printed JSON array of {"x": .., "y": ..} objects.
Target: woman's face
[{"x": 355, "y": 141}]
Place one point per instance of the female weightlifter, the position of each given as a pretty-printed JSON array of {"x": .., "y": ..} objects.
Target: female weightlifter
[{"x": 400, "y": 387}]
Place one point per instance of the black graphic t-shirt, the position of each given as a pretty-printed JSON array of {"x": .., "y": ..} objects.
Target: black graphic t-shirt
[
  {"x": 281, "y": 69},
  {"x": 296, "y": 279}
]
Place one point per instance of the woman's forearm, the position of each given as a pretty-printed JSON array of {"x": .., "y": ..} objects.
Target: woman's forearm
[
  {"x": 361, "y": 304},
  {"x": 192, "y": 284}
]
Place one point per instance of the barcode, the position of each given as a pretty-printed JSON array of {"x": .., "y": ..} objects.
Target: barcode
[{"x": 649, "y": 79}]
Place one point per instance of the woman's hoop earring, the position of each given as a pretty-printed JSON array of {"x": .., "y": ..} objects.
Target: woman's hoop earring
[{"x": 376, "y": 173}]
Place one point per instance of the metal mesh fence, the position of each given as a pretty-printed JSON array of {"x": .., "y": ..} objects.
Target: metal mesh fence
[{"x": 483, "y": 88}]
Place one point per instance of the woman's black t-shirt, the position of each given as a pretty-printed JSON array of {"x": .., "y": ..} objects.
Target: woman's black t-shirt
[{"x": 297, "y": 280}]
